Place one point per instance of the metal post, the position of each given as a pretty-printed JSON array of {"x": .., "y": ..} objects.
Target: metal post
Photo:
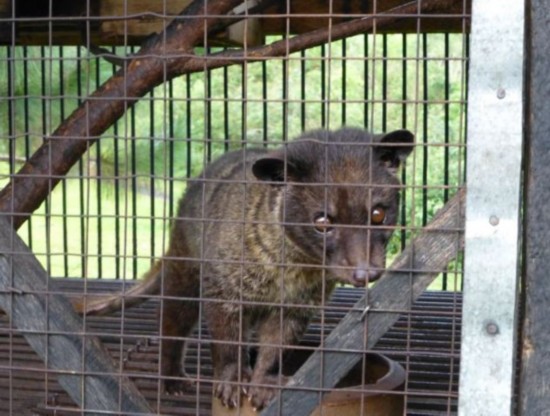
[{"x": 495, "y": 117}]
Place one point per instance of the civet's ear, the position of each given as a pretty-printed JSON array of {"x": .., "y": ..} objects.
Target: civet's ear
[
  {"x": 394, "y": 147},
  {"x": 272, "y": 168}
]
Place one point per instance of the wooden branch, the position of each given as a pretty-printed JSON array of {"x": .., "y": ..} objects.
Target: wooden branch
[
  {"x": 83, "y": 367},
  {"x": 399, "y": 287},
  {"x": 316, "y": 37},
  {"x": 155, "y": 63},
  {"x": 310, "y": 39},
  {"x": 167, "y": 55}
]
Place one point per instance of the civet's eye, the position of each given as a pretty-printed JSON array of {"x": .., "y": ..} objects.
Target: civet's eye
[
  {"x": 322, "y": 223},
  {"x": 378, "y": 216}
]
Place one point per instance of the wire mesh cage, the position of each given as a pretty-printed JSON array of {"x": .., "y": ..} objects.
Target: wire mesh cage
[{"x": 320, "y": 147}]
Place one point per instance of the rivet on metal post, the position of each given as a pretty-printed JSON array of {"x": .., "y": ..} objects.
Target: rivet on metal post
[
  {"x": 501, "y": 93},
  {"x": 491, "y": 328},
  {"x": 494, "y": 220}
]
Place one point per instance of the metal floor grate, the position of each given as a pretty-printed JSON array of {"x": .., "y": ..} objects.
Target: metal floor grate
[{"x": 426, "y": 342}]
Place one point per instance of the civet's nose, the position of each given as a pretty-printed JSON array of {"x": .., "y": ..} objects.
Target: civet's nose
[{"x": 363, "y": 275}]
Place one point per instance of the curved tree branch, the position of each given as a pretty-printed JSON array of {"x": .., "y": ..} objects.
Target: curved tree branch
[
  {"x": 314, "y": 38},
  {"x": 32, "y": 184}
]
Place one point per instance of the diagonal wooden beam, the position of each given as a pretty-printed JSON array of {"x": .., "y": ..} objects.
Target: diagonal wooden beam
[{"x": 83, "y": 367}]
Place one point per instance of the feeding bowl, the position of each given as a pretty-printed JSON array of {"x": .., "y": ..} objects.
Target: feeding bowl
[{"x": 372, "y": 392}]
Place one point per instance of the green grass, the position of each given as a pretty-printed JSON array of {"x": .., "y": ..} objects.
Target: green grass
[{"x": 64, "y": 235}]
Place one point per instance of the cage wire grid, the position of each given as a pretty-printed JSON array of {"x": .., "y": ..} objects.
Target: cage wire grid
[{"x": 108, "y": 220}]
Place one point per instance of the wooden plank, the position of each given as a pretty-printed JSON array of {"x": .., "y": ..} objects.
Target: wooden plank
[
  {"x": 124, "y": 22},
  {"x": 535, "y": 344},
  {"x": 5, "y": 15},
  {"x": 138, "y": 17},
  {"x": 141, "y": 18},
  {"x": 411, "y": 273},
  {"x": 84, "y": 368},
  {"x": 308, "y": 15},
  {"x": 425, "y": 342}
]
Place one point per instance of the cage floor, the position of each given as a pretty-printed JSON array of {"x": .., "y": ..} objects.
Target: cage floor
[{"x": 425, "y": 341}]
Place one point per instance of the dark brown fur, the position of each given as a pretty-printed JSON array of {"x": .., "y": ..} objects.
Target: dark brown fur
[{"x": 244, "y": 238}]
